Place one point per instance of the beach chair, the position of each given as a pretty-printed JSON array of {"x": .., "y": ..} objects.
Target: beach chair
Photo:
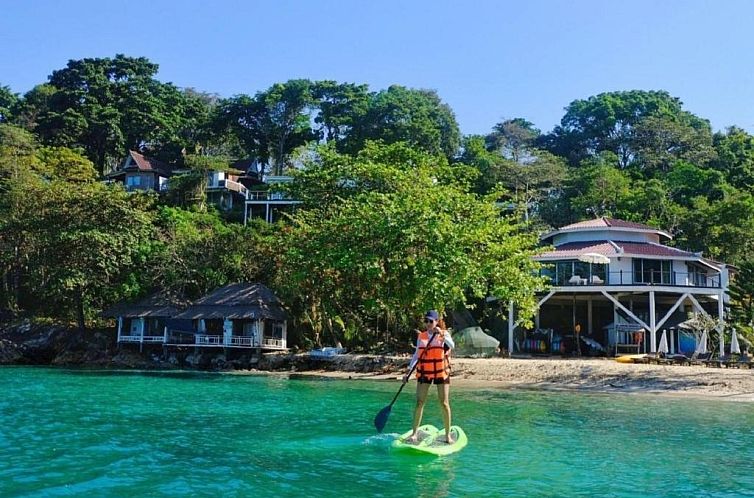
[
  {"x": 744, "y": 361},
  {"x": 679, "y": 359},
  {"x": 719, "y": 362},
  {"x": 700, "y": 358}
]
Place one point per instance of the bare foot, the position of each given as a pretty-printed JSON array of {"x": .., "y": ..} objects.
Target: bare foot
[
  {"x": 412, "y": 439},
  {"x": 449, "y": 439}
]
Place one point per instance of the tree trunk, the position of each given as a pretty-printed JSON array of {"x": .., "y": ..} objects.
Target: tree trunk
[{"x": 80, "y": 310}]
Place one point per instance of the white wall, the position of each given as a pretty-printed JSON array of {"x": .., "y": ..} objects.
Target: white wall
[{"x": 607, "y": 234}]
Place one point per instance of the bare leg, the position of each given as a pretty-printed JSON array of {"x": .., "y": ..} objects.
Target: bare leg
[
  {"x": 421, "y": 397},
  {"x": 443, "y": 392}
]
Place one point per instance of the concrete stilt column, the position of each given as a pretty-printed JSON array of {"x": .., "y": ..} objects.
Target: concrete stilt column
[{"x": 652, "y": 323}]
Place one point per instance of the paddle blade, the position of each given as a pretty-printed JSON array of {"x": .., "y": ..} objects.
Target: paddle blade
[{"x": 381, "y": 419}]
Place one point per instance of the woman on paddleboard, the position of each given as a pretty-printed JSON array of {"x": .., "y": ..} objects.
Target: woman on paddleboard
[{"x": 432, "y": 367}]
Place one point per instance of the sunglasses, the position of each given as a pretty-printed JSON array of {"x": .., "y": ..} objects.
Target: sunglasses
[{"x": 428, "y": 320}]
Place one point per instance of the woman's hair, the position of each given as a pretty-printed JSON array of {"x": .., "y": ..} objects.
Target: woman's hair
[{"x": 441, "y": 324}]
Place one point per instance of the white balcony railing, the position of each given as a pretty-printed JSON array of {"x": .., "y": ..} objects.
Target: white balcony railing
[
  {"x": 140, "y": 338},
  {"x": 273, "y": 343},
  {"x": 238, "y": 341}
]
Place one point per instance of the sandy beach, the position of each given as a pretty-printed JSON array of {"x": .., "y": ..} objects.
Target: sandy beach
[{"x": 593, "y": 374}]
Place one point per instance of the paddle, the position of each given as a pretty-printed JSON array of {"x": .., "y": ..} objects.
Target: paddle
[{"x": 381, "y": 419}]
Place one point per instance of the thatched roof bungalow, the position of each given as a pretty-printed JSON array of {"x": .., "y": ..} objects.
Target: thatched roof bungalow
[
  {"x": 149, "y": 319},
  {"x": 245, "y": 315}
]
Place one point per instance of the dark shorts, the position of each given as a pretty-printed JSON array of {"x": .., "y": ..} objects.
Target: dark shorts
[{"x": 439, "y": 381}]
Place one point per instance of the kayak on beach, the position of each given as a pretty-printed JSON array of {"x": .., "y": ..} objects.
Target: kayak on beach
[
  {"x": 630, "y": 358},
  {"x": 431, "y": 440}
]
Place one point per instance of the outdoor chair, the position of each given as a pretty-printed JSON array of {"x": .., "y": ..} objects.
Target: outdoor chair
[
  {"x": 722, "y": 361},
  {"x": 597, "y": 280},
  {"x": 700, "y": 358},
  {"x": 679, "y": 359},
  {"x": 744, "y": 361},
  {"x": 577, "y": 280}
]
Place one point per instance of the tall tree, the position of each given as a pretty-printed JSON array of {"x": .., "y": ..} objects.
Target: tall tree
[
  {"x": 513, "y": 138},
  {"x": 606, "y": 122},
  {"x": 340, "y": 107},
  {"x": 8, "y": 101},
  {"x": 742, "y": 298},
  {"x": 417, "y": 117},
  {"x": 197, "y": 252},
  {"x": 597, "y": 188},
  {"x": 735, "y": 157},
  {"x": 271, "y": 124},
  {"x": 87, "y": 245},
  {"x": 107, "y": 106},
  {"x": 402, "y": 237},
  {"x": 658, "y": 142}
]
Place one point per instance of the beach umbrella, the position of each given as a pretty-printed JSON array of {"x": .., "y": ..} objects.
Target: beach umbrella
[
  {"x": 594, "y": 258},
  {"x": 734, "y": 347},
  {"x": 663, "y": 347}
]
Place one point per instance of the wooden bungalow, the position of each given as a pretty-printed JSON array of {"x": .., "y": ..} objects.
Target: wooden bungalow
[
  {"x": 148, "y": 320},
  {"x": 239, "y": 315},
  {"x": 140, "y": 173}
]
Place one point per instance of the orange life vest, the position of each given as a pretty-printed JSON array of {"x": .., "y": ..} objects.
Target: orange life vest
[{"x": 433, "y": 362}]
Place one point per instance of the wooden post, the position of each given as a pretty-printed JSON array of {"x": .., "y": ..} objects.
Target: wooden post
[{"x": 120, "y": 327}]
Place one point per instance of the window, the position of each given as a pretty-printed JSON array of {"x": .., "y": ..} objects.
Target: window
[
  {"x": 652, "y": 271},
  {"x": 588, "y": 272},
  {"x": 133, "y": 181},
  {"x": 277, "y": 330},
  {"x": 698, "y": 276}
]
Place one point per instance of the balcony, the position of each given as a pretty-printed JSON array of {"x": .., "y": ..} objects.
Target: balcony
[
  {"x": 142, "y": 338},
  {"x": 266, "y": 196},
  {"x": 236, "y": 341},
  {"x": 630, "y": 278},
  {"x": 231, "y": 186}
]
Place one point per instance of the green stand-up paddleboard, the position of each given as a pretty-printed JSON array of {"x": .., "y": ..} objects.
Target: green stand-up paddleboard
[{"x": 432, "y": 441}]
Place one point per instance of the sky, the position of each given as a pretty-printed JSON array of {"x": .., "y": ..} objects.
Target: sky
[{"x": 489, "y": 60}]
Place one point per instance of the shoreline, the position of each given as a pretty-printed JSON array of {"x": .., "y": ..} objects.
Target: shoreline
[{"x": 599, "y": 376}]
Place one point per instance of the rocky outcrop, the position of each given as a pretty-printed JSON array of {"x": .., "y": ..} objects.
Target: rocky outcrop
[{"x": 27, "y": 343}]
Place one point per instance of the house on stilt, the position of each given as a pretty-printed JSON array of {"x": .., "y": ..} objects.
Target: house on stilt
[{"x": 615, "y": 285}]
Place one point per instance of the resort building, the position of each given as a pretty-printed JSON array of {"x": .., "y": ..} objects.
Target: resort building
[
  {"x": 225, "y": 191},
  {"x": 264, "y": 202},
  {"x": 138, "y": 172},
  {"x": 616, "y": 286},
  {"x": 234, "y": 316},
  {"x": 237, "y": 316},
  {"x": 149, "y": 320}
]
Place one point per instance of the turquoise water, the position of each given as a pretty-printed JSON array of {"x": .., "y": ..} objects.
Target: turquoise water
[{"x": 84, "y": 433}]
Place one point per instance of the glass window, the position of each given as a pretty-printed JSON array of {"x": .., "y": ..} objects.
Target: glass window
[
  {"x": 277, "y": 330},
  {"x": 652, "y": 271},
  {"x": 548, "y": 270},
  {"x": 581, "y": 269},
  {"x": 133, "y": 181},
  {"x": 564, "y": 271}
]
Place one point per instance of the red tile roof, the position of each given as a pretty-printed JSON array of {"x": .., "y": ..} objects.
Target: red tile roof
[
  {"x": 149, "y": 165},
  {"x": 575, "y": 249},
  {"x": 607, "y": 222}
]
